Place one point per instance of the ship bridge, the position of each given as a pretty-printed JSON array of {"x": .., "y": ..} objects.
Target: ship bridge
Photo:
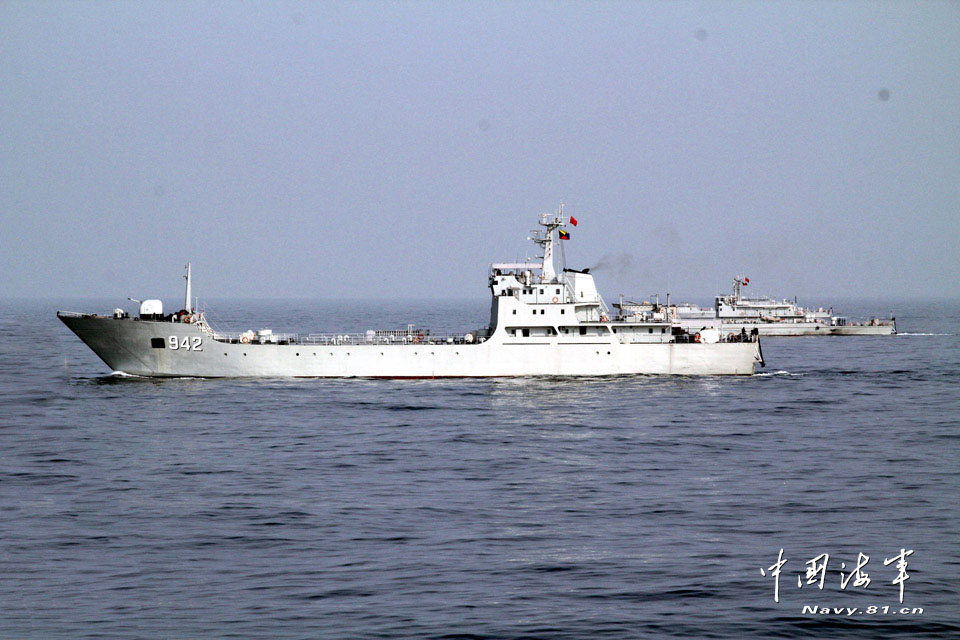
[{"x": 533, "y": 299}]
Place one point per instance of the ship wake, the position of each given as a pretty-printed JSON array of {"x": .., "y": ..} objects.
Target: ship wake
[
  {"x": 768, "y": 374},
  {"x": 900, "y": 333}
]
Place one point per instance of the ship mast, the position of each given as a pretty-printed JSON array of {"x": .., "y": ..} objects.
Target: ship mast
[
  {"x": 737, "y": 283},
  {"x": 545, "y": 238},
  {"x": 186, "y": 304}
]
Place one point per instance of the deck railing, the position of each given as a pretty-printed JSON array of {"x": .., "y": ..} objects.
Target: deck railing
[{"x": 369, "y": 338}]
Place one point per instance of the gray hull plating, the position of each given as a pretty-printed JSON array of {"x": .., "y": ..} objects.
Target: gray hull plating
[
  {"x": 809, "y": 329},
  {"x": 144, "y": 348}
]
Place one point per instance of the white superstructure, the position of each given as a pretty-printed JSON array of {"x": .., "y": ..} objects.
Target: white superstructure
[{"x": 543, "y": 321}]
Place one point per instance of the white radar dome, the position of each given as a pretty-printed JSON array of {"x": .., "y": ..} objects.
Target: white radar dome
[{"x": 151, "y": 308}]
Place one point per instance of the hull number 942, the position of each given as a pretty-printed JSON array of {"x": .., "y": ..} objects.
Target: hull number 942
[{"x": 187, "y": 343}]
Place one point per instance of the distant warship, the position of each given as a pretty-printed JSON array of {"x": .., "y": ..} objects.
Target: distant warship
[
  {"x": 543, "y": 322},
  {"x": 735, "y": 314}
]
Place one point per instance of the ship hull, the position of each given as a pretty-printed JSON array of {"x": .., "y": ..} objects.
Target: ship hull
[
  {"x": 144, "y": 348},
  {"x": 808, "y": 329},
  {"x": 787, "y": 328}
]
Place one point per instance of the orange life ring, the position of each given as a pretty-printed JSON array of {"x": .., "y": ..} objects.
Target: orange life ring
[
  {"x": 696, "y": 338},
  {"x": 188, "y": 319},
  {"x": 604, "y": 319},
  {"x": 244, "y": 340},
  {"x": 556, "y": 299}
]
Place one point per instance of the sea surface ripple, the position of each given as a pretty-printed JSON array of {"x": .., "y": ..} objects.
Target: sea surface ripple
[{"x": 497, "y": 508}]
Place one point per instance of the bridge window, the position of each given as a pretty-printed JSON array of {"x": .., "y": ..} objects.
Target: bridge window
[
  {"x": 583, "y": 331},
  {"x": 562, "y": 311},
  {"x": 526, "y": 333},
  {"x": 541, "y": 291}
]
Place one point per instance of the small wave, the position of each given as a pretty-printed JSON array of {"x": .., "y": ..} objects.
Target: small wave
[
  {"x": 902, "y": 333},
  {"x": 124, "y": 374},
  {"x": 767, "y": 374}
]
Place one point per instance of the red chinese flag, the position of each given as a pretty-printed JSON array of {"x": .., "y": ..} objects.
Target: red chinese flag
[
  {"x": 746, "y": 280},
  {"x": 573, "y": 221}
]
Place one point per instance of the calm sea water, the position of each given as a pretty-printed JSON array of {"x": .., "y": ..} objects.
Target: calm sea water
[{"x": 538, "y": 508}]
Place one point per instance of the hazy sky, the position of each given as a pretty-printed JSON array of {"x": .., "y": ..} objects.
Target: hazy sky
[{"x": 387, "y": 150}]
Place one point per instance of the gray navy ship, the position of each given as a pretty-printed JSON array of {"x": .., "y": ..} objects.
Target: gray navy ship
[
  {"x": 735, "y": 313},
  {"x": 543, "y": 322}
]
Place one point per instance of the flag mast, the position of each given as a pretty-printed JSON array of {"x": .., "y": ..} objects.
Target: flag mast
[{"x": 563, "y": 252}]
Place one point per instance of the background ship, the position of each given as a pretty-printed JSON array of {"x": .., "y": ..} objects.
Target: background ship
[{"x": 734, "y": 314}]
